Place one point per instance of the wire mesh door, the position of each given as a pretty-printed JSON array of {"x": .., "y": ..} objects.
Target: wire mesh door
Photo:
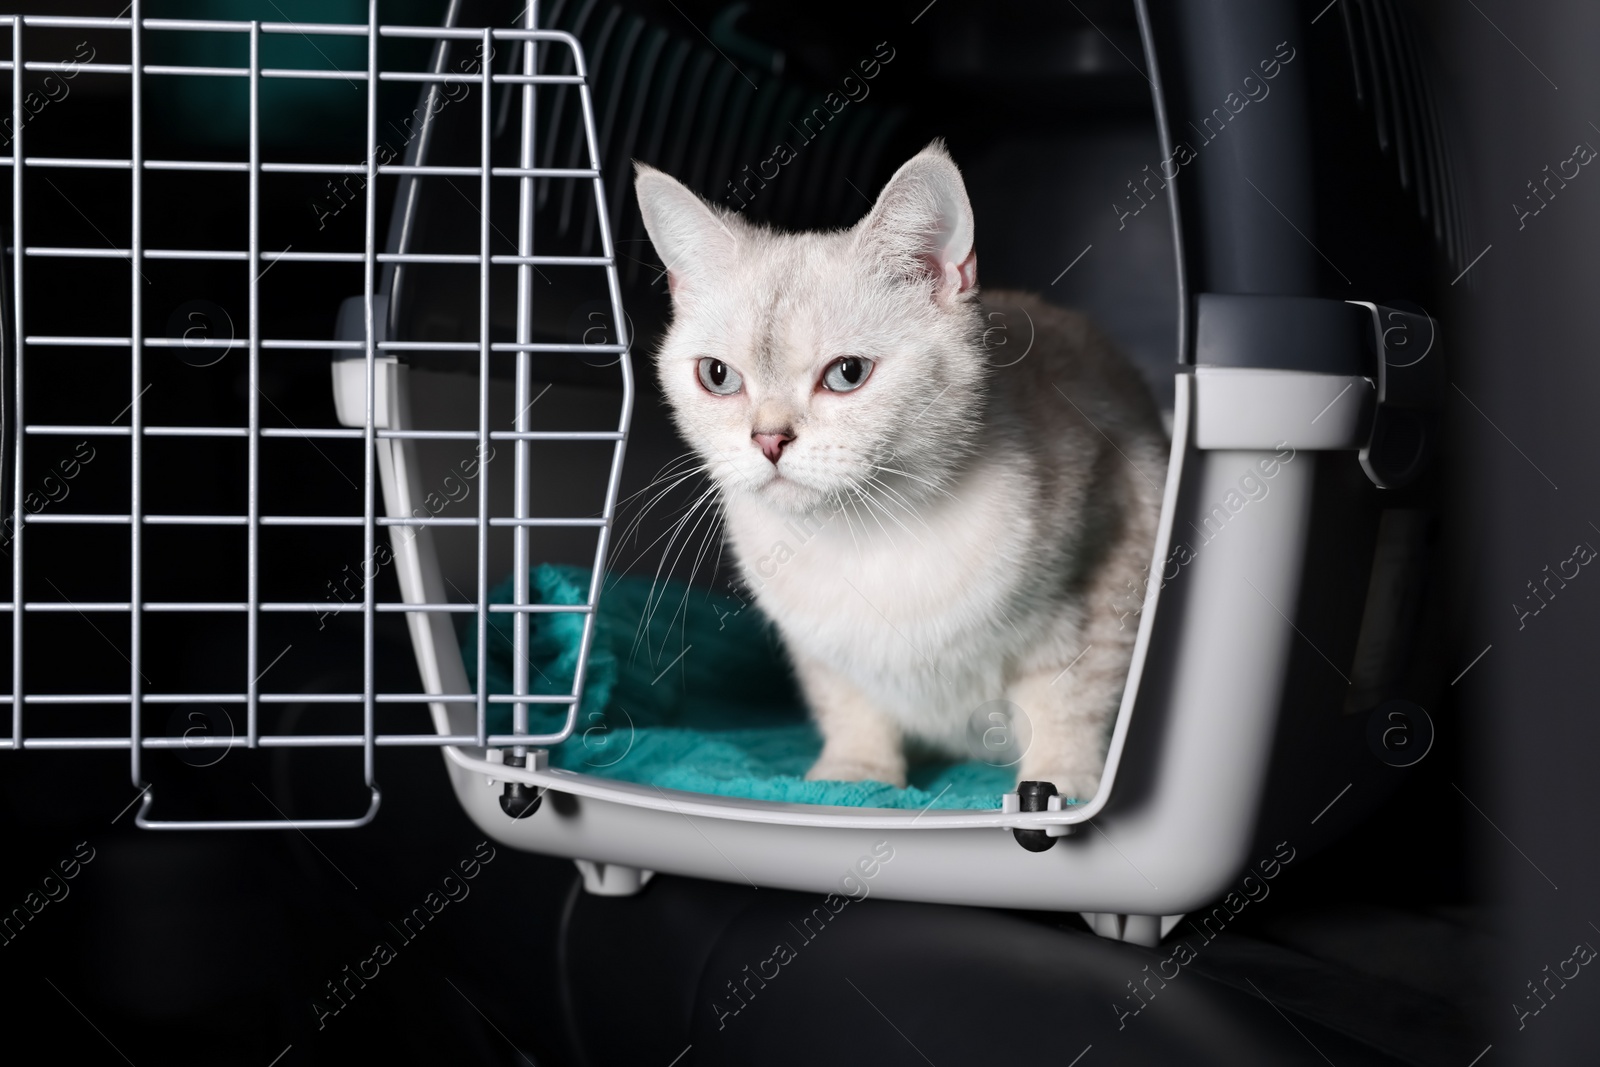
[{"x": 107, "y": 576}]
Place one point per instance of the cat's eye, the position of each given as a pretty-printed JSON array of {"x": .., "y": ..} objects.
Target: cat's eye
[
  {"x": 718, "y": 377},
  {"x": 846, "y": 373}
]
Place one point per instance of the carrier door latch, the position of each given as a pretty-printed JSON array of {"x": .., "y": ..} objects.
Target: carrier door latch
[
  {"x": 1318, "y": 374},
  {"x": 1411, "y": 378}
]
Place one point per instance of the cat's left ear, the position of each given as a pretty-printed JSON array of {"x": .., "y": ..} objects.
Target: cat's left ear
[{"x": 922, "y": 225}]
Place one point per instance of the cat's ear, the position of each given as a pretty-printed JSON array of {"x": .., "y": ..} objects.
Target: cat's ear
[
  {"x": 922, "y": 225},
  {"x": 692, "y": 241}
]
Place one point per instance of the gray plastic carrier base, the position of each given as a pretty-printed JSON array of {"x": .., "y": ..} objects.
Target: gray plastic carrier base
[{"x": 1179, "y": 809}]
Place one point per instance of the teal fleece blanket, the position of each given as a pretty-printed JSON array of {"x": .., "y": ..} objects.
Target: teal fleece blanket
[{"x": 694, "y": 695}]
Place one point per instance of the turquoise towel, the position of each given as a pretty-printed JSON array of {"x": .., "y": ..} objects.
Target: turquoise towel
[{"x": 698, "y": 698}]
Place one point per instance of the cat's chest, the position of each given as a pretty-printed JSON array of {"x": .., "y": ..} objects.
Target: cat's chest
[{"x": 882, "y": 581}]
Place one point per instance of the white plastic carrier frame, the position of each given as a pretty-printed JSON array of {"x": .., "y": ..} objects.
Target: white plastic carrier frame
[{"x": 1241, "y": 715}]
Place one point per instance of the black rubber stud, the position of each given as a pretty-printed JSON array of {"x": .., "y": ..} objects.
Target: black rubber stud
[
  {"x": 1035, "y": 796},
  {"x": 520, "y": 799}
]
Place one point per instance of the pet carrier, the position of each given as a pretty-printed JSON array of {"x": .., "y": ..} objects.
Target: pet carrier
[{"x": 1295, "y": 177}]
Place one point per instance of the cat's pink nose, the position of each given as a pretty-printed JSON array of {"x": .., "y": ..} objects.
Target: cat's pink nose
[{"x": 772, "y": 443}]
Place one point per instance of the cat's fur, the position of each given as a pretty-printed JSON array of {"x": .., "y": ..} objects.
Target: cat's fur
[{"x": 954, "y": 531}]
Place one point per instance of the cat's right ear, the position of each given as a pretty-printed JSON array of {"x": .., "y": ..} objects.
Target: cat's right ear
[{"x": 691, "y": 240}]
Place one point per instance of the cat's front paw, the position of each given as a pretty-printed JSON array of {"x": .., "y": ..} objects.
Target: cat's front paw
[
  {"x": 1073, "y": 783},
  {"x": 847, "y": 769}
]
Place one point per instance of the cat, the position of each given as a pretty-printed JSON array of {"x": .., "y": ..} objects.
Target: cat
[{"x": 929, "y": 528}]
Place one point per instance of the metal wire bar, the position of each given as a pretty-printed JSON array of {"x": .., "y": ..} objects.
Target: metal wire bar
[
  {"x": 498, "y": 79},
  {"x": 521, "y": 504},
  {"x": 136, "y": 408},
  {"x": 602, "y": 540},
  {"x": 190, "y": 71},
  {"x": 91, "y": 68},
  {"x": 79, "y": 606},
  {"x": 434, "y": 169},
  {"x": 448, "y": 258},
  {"x": 369, "y": 532},
  {"x": 324, "y": 607},
  {"x": 253, "y": 502},
  {"x": 193, "y": 71},
  {"x": 98, "y": 519},
  {"x": 17, "y": 514},
  {"x": 462, "y": 33},
  {"x": 147, "y": 797},
  {"x": 268, "y": 741},
  {"x": 302, "y": 29},
  {"x": 296, "y": 698},
  {"x": 315, "y": 75},
  {"x": 59, "y": 341},
  {"x": 332, "y": 434},
  {"x": 485, "y": 142}
]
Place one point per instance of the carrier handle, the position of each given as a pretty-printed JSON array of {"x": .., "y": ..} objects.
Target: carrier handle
[{"x": 252, "y": 824}]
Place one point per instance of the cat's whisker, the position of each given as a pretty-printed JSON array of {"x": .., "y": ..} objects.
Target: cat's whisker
[
  {"x": 716, "y": 564},
  {"x": 703, "y": 505},
  {"x": 866, "y": 500},
  {"x": 651, "y": 601},
  {"x": 712, "y": 532},
  {"x": 881, "y": 483},
  {"x": 871, "y": 500},
  {"x": 671, "y": 534},
  {"x": 675, "y": 476},
  {"x": 898, "y": 500},
  {"x": 629, "y": 534},
  {"x": 715, "y": 515},
  {"x": 846, "y": 502},
  {"x": 663, "y": 474},
  {"x": 898, "y": 521},
  {"x": 860, "y": 493},
  {"x": 841, "y": 505},
  {"x": 635, "y": 522},
  {"x": 652, "y": 544},
  {"x": 857, "y": 494},
  {"x": 936, "y": 487}
]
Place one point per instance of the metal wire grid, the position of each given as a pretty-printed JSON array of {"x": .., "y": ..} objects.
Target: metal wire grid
[{"x": 370, "y": 258}]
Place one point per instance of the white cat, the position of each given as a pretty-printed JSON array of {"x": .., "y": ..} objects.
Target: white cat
[{"x": 929, "y": 531}]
